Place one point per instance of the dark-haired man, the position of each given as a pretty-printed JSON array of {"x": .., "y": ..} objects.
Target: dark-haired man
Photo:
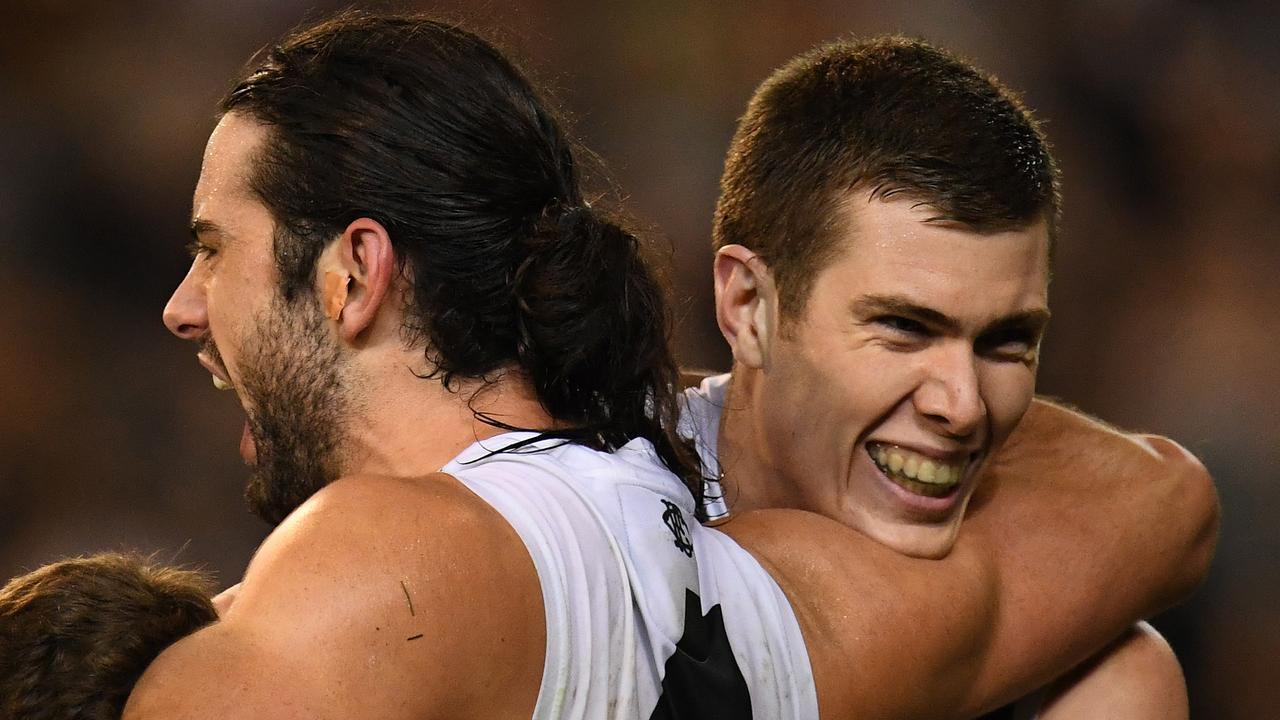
[
  {"x": 883, "y": 241},
  {"x": 395, "y": 270}
]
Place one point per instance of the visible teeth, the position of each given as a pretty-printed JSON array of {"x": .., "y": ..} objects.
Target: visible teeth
[
  {"x": 895, "y": 462},
  {"x": 913, "y": 470},
  {"x": 927, "y": 489},
  {"x": 925, "y": 473},
  {"x": 220, "y": 383},
  {"x": 911, "y": 467}
]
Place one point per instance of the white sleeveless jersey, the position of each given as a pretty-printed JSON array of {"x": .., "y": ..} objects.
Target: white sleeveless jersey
[
  {"x": 700, "y": 421},
  {"x": 700, "y": 412},
  {"x": 649, "y": 615}
]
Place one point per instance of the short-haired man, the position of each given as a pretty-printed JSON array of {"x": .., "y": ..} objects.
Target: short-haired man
[
  {"x": 884, "y": 237},
  {"x": 395, "y": 269}
]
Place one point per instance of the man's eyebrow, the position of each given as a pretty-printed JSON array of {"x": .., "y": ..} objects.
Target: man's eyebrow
[
  {"x": 200, "y": 226},
  {"x": 897, "y": 305},
  {"x": 1031, "y": 320},
  {"x": 1034, "y": 319}
]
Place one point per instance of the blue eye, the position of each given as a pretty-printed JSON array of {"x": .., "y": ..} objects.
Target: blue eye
[{"x": 901, "y": 325}]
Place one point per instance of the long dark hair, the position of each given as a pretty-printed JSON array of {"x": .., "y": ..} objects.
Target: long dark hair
[{"x": 431, "y": 131}]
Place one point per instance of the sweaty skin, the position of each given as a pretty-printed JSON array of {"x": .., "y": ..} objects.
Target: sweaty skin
[
  {"x": 992, "y": 621},
  {"x": 1136, "y": 678},
  {"x": 322, "y": 605},
  {"x": 321, "y": 627},
  {"x": 1041, "y": 466},
  {"x": 925, "y": 335}
]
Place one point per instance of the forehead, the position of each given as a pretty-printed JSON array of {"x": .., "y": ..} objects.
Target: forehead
[
  {"x": 893, "y": 247},
  {"x": 224, "y": 171}
]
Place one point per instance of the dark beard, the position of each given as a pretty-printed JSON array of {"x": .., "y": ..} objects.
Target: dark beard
[{"x": 293, "y": 383}]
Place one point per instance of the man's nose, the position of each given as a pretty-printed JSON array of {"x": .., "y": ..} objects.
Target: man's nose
[
  {"x": 951, "y": 395},
  {"x": 186, "y": 314}
]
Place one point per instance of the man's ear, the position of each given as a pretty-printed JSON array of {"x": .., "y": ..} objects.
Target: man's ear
[
  {"x": 746, "y": 304},
  {"x": 354, "y": 276}
]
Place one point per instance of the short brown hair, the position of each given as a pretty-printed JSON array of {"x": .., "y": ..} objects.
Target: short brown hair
[
  {"x": 76, "y": 635},
  {"x": 890, "y": 115}
]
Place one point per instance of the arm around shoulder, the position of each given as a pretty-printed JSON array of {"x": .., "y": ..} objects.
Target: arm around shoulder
[
  {"x": 1090, "y": 530},
  {"x": 377, "y": 598},
  {"x": 1143, "y": 498},
  {"x": 1194, "y": 498},
  {"x": 1137, "y": 678},
  {"x": 1087, "y": 531},
  {"x": 888, "y": 636}
]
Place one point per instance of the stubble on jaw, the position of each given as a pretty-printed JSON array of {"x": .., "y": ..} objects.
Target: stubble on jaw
[{"x": 293, "y": 381}]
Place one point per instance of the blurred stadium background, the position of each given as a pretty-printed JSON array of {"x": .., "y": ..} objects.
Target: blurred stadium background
[{"x": 1165, "y": 115}]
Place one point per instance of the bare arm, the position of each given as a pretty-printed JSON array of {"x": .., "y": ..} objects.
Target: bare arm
[
  {"x": 1086, "y": 531},
  {"x": 379, "y": 598},
  {"x": 889, "y": 636},
  {"x": 1089, "y": 528},
  {"x": 1137, "y": 678}
]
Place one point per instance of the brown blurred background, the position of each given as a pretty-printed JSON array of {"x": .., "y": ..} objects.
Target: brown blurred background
[{"x": 1165, "y": 115}]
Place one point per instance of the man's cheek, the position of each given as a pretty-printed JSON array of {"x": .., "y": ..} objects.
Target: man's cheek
[{"x": 1012, "y": 402}]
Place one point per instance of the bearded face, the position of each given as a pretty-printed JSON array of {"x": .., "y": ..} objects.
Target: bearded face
[
  {"x": 277, "y": 353},
  {"x": 293, "y": 391}
]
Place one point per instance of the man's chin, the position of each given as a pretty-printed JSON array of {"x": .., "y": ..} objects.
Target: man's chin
[
  {"x": 286, "y": 468},
  {"x": 273, "y": 500},
  {"x": 261, "y": 502},
  {"x": 927, "y": 542}
]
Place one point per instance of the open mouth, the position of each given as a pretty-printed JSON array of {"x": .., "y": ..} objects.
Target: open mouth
[
  {"x": 216, "y": 370},
  {"x": 212, "y": 362},
  {"x": 918, "y": 473}
]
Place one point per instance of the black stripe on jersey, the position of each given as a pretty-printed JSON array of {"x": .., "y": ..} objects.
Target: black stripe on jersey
[{"x": 702, "y": 679}]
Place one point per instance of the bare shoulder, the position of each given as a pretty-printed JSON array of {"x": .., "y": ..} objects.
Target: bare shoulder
[
  {"x": 379, "y": 597},
  {"x": 867, "y": 612},
  {"x": 1137, "y": 677}
]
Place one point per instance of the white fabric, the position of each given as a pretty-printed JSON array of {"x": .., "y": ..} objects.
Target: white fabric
[
  {"x": 700, "y": 412},
  {"x": 700, "y": 416},
  {"x": 614, "y": 579}
]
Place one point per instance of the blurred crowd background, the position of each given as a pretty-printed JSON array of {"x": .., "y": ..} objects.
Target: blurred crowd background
[{"x": 1165, "y": 115}]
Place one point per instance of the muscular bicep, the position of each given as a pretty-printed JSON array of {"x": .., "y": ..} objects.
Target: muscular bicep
[
  {"x": 309, "y": 648},
  {"x": 225, "y": 671},
  {"x": 296, "y": 645},
  {"x": 888, "y": 636},
  {"x": 1087, "y": 531},
  {"x": 1090, "y": 530},
  {"x": 1136, "y": 678},
  {"x": 377, "y": 599}
]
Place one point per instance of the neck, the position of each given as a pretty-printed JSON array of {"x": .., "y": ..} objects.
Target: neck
[
  {"x": 752, "y": 478},
  {"x": 409, "y": 426}
]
